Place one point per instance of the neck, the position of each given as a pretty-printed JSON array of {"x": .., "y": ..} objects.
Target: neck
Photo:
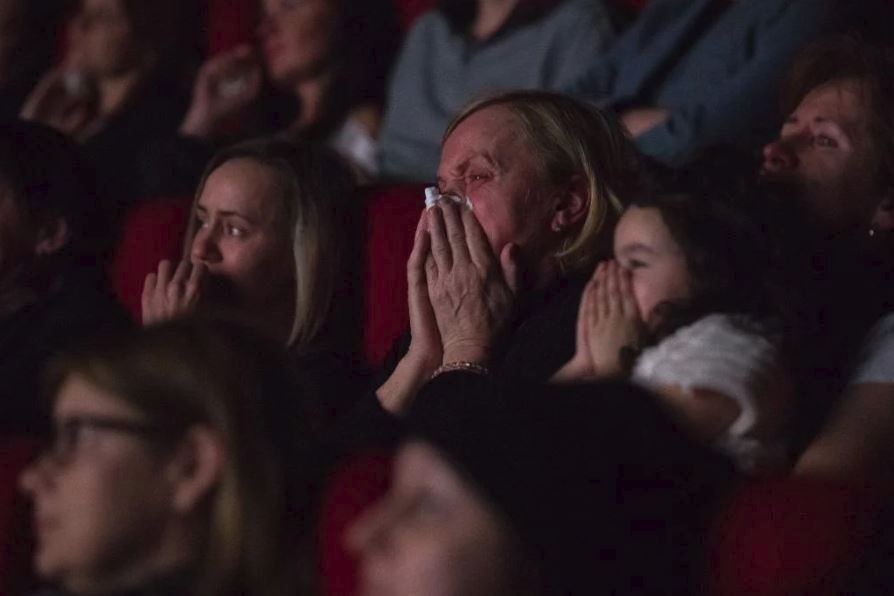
[
  {"x": 174, "y": 553},
  {"x": 312, "y": 94},
  {"x": 115, "y": 91},
  {"x": 490, "y": 16}
]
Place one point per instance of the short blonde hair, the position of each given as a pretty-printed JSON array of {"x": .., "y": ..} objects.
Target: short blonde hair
[
  {"x": 218, "y": 374},
  {"x": 573, "y": 138},
  {"x": 318, "y": 195}
]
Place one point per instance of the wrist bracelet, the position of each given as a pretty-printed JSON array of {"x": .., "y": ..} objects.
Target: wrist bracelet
[{"x": 472, "y": 367}]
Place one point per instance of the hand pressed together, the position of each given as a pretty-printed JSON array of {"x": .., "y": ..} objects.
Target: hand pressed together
[
  {"x": 608, "y": 322},
  {"x": 472, "y": 293}
]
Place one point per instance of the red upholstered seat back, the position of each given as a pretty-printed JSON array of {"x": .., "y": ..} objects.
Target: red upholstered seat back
[
  {"x": 353, "y": 489},
  {"x": 15, "y": 532},
  {"x": 152, "y": 231},
  {"x": 392, "y": 215},
  {"x": 789, "y": 537},
  {"x": 230, "y": 23}
]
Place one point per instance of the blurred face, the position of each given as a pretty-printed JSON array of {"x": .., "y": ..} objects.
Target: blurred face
[
  {"x": 431, "y": 535},
  {"x": 103, "y": 40},
  {"x": 242, "y": 236},
  {"x": 100, "y": 500},
  {"x": 657, "y": 266},
  {"x": 824, "y": 148},
  {"x": 297, "y": 38},
  {"x": 488, "y": 159}
]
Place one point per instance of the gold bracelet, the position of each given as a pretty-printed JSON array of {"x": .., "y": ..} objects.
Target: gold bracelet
[{"x": 472, "y": 367}]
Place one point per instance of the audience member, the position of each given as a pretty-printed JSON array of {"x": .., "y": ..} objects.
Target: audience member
[
  {"x": 178, "y": 466},
  {"x": 330, "y": 57},
  {"x": 535, "y": 491},
  {"x": 837, "y": 148},
  {"x": 464, "y": 48},
  {"x": 272, "y": 240},
  {"x": 120, "y": 88},
  {"x": 494, "y": 283},
  {"x": 52, "y": 290},
  {"x": 693, "y": 74},
  {"x": 689, "y": 308}
]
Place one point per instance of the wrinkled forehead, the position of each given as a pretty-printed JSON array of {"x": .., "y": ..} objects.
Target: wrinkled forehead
[{"x": 495, "y": 132}]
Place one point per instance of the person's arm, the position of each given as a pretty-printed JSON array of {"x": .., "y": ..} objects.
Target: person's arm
[
  {"x": 727, "y": 113},
  {"x": 858, "y": 442}
]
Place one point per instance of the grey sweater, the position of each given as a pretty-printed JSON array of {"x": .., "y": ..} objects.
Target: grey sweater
[{"x": 439, "y": 70}]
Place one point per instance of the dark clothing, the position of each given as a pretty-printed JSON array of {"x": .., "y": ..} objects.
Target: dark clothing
[
  {"x": 120, "y": 148},
  {"x": 715, "y": 66},
  {"x": 540, "y": 342},
  {"x": 78, "y": 308},
  {"x": 175, "y": 585}
]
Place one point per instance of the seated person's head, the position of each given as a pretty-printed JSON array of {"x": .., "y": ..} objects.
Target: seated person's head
[
  {"x": 114, "y": 37},
  {"x": 837, "y": 145},
  {"x": 47, "y": 206},
  {"x": 543, "y": 171},
  {"x": 271, "y": 222},
  {"x": 169, "y": 462},
  {"x": 584, "y": 490},
  {"x": 305, "y": 40},
  {"x": 690, "y": 254}
]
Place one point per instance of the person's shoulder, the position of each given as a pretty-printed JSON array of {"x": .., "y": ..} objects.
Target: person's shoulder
[{"x": 432, "y": 22}]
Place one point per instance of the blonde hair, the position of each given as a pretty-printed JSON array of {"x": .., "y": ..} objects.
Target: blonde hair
[
  {"x": 318, "y": 194},
  {"x": 191, "y": 372},
  {"x": 572, "y": 138}
]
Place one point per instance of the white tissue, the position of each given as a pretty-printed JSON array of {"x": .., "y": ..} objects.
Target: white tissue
[{"x": 432, "y": 196}]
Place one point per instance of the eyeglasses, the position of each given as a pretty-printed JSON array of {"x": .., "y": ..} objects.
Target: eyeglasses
[{"x": 68, "y": 435}]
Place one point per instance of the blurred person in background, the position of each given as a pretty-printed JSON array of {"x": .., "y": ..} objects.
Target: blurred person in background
[
  {"x": 52, "y": 277},
  {"x": 524, "y": 490},
  {"x": 329, "y": 60},
  {"x": 178, "y": 465},
  {"x": 122, "y": 85},
  {"x": 463, "y": 49}
]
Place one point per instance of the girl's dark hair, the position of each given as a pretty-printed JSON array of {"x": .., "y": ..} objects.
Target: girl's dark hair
[{"x": 729, "y": 255}]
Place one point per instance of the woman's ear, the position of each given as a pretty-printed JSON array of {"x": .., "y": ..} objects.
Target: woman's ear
[
  {"x": 883, "y": 218},
  {"x": 52, "y": 236},
  {"x": 195, "y": 469},
  {"x": 572, "y": 205}
]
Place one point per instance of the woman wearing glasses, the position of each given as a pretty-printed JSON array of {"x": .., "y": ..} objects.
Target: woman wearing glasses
[{"x": 173, "y": 467}]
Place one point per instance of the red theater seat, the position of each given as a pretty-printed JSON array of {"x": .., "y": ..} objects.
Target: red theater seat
[
  {"x": 392, "y": 215},
  {"x": 353, "y": 489},
  {"x": 230, "y": 23},
  {"x": 789, "y": 537},
  {"x": 152, "y": 231}
]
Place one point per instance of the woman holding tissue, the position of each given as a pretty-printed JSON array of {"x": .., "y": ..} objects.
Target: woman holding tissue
[{"x": 494, "y": 280}]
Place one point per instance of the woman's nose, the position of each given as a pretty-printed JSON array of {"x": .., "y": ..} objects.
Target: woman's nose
[
  {"x": 37, "y": 476},
  {"x": 779, "y": 156},
  {"x": 205, "y": 247}
]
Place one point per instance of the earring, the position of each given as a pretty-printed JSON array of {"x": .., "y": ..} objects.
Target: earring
[{"x": 872, "y": 232}]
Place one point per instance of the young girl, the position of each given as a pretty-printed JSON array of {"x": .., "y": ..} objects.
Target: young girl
[{"x": 686, "y": 309}]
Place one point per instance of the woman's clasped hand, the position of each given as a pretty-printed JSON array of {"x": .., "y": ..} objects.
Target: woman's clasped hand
[
  {"x": 169, "y": 293},
  {"x": 471, "y": 291}
]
